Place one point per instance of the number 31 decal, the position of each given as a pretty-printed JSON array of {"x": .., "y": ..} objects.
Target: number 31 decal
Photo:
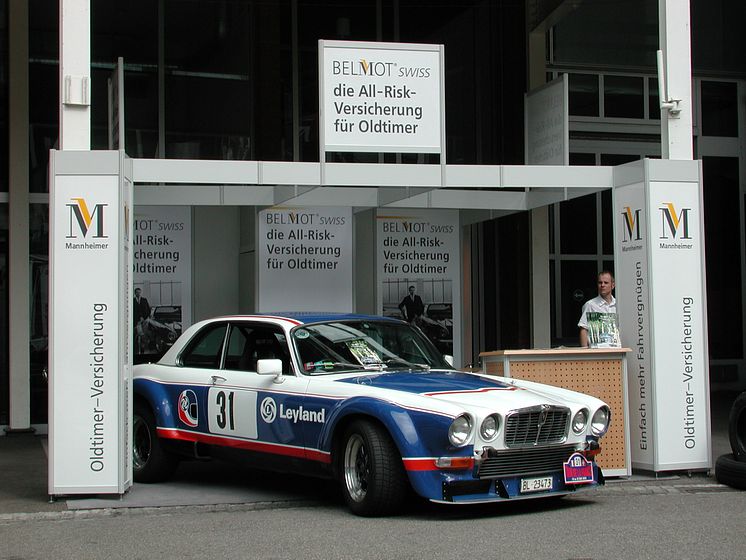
[
  {"x": 232, "y": 412},
  {"x": 225, "y": 410}
]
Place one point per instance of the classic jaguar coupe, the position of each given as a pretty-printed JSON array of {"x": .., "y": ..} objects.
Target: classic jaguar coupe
[{"x": 368, "y": 400}]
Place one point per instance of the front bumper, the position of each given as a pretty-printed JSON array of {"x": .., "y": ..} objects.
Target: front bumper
[
  {"x": 496, "y": 475},
  {"x": 502, "y": 489}
]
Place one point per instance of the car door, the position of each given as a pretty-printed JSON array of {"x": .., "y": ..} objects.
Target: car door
[{"x": 251, "y": 411}]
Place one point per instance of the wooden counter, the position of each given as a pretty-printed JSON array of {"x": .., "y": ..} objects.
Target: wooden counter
[{"x": 599, "y": 372}]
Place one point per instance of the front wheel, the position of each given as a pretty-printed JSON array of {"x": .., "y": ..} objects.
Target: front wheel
[
  {"x": 371, "y": 471},
  {"x": 150, "y": 462}
]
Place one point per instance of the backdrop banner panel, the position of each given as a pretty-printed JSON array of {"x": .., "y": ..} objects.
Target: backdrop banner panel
[
  {"x": 162, "y": 248},
  {"x": 419, "y": 272},
  {"x": 304, "y": 259}
]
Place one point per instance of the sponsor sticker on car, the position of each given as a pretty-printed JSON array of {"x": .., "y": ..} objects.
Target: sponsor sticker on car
[{"x": 578, "y": 470}]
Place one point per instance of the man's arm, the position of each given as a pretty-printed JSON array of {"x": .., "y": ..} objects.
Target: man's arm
[
  {"x": 583, "y": 337},
  {"x": 583, "y": 326}
]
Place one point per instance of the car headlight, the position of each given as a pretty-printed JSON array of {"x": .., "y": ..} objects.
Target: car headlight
[
  {"x": 600, "y": 421},
  {"x": 580, "y": 421},
  {"x": 489, "y": 428},
  {"x": 460, "y": 430}
]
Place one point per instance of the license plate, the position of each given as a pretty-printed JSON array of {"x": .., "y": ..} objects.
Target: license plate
[{"x": 536, "y": 484}]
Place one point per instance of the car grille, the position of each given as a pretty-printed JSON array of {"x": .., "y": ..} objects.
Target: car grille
[
  {"x": 536, "y": 425},
  {"x": 522, "y": 462}
]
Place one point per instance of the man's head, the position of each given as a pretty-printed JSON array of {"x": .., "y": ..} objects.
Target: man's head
[
  {"x": 137, "y": 292},
  {"x": 605, "y": 284},
  {"x": 411, "y": 290}
]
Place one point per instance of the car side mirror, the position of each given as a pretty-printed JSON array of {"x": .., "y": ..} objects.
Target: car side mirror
[
  {"x": 271, "y": 366},
  {"x": 448, "y": 359}
]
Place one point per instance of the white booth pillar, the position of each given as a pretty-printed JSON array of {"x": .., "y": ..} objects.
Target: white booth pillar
[
  {"x": 75, "y": 75},
  {"x": 90, "y": 319},
  {"x": 18, "y": 218},
  {"x": 675, "y": 42},
  {"x": 662, "y": 307}
]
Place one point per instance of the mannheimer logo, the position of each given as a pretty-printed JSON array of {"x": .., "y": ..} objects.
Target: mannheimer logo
[
  {"x": 674, "y": 227},
  {"x": 631, "y": 232},
  {"x": 87, "y": 223}
]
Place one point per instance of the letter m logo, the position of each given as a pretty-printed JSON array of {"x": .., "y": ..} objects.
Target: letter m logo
[
  {"x": 84, "y": 219},
  {"x": 631, "y": 220},
  {"x": 674, "y": 223}
]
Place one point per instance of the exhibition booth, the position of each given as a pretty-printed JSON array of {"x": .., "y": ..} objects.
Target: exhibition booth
[{"x": 310, "y": 237}]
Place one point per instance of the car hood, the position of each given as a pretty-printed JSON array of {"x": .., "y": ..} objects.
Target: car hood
[{"x": 460, "y": 388}]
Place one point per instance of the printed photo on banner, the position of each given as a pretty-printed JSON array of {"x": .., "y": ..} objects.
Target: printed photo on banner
[
  {"x": 426, "y": 303},
  {"x": 418, "y": 272}
]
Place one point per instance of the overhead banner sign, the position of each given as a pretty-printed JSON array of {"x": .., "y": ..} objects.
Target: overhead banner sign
[
  {"x": 547, "y": 124},
  {"x": 90, "y": 378},
  {"x": 419, "y": 272},
  {"x": 304, "y": 259},
  {"x": 659, "y": 236},
  {"x": 162, "y": 282},
  {"x": 381, "y": 97}
]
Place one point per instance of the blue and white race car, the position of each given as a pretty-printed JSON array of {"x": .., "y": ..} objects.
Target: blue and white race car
[{"x": 368, "y": 400}]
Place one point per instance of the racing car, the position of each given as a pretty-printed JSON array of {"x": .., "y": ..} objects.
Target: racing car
[{"x": 367, "y": 400}]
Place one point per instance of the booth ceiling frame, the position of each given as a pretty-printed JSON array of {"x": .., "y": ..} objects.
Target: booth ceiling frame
[{"x": 503, "y": 189}]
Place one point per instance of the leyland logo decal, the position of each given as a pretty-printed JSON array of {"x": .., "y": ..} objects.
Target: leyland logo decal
[
  {"x": 86, "y": 222},
  {"x": 269, "y": 413},
  {"x": 674, "y": 226}
]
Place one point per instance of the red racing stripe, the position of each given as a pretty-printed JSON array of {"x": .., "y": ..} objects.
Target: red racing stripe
[{"x": 286, "y": 450}]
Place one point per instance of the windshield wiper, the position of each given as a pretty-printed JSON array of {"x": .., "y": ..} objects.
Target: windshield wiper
[
  {"x": 406, "y": 363},
  {"x": 326, "y": 363}
]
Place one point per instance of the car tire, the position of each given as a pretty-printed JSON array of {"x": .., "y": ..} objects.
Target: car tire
[
  {"x": 371, "y": 471},
  {"x": 737, "y": 427},
  {"x": 730, "y": 471},
  {"x": 150, "y": 462}
]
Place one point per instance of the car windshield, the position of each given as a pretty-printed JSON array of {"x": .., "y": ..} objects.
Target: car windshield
[{"x": 338, "y": 346}]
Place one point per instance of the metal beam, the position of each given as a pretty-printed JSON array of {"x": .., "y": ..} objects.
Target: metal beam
[{"x": 509, "y": 188}]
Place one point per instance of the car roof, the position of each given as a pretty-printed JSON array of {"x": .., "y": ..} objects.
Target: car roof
[
  {"x": 301, "y": 317},
  {"x": 318, "y": 316}
]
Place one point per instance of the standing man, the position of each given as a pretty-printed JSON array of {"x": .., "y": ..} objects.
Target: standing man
[
  {"x": 411, "y": 306},
  {"x": 141, "y": 312},
  {"x": 604, "y": 302}
]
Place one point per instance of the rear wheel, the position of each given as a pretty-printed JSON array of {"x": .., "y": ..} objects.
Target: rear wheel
[
  {"x": 371, "y": 471},
  {"x": 150, "y": 462}
]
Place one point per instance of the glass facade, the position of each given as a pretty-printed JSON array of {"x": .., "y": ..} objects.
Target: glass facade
[{"x": 237, "y": 80}]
